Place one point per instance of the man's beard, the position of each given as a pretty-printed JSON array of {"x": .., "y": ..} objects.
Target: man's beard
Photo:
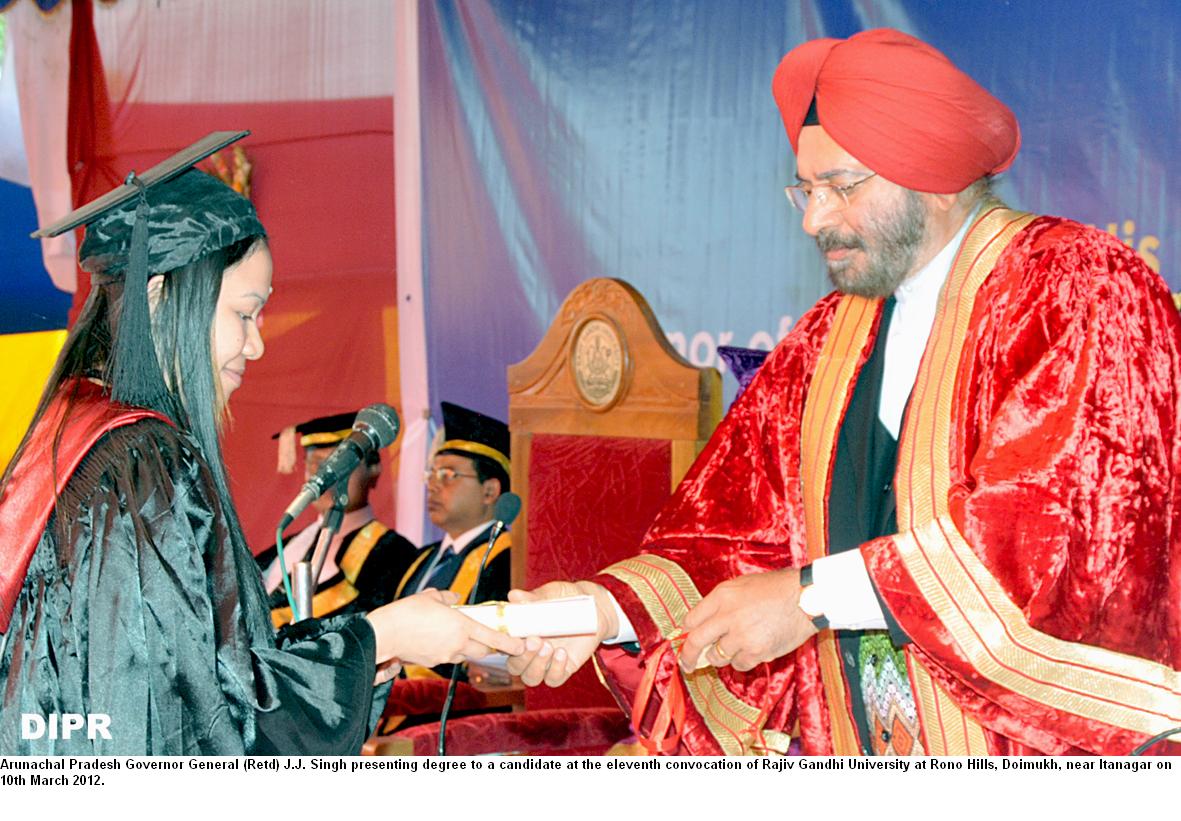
[{"x": 889, "y": 245}]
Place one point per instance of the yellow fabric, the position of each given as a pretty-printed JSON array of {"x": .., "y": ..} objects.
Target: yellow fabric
[
  {"x": 360, "y": 548},
  {"x": 479, "y": 449},
  {"x": 409, "y": 574},
  {"x": 466, "y": 576},
  {"x": 469, "y": 571},
  {"x": 667, "y": 593},
  {"x": 27, "y": 361},
  {"x": 828, "y": 395},
  {"x": 326, "y": 438}
]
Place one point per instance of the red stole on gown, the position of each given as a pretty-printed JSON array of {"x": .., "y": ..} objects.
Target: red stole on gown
[
  {"x": 44, "y": 468},
  {"x": 1038, "y": 564}
]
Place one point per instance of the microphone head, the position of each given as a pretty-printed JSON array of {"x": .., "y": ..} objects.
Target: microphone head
[
  {"x": 506, "y": 508},
  {"x": 380, "y": 421}
]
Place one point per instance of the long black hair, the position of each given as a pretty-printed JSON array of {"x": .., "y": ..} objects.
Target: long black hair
[{"x": 182, "y": 323}]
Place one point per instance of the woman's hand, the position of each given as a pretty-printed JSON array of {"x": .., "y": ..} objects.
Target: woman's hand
[{"x": 425, "y": 629}]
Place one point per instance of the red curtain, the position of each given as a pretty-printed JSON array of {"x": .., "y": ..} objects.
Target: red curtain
[{"x": 88, "y": 126}]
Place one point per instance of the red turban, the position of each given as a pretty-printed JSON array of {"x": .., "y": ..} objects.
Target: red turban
[{"x": 899, "y": 106}]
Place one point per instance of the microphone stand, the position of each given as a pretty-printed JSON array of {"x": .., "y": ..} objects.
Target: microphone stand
[
  {"x": 311, "y": 576},
  {"x": 498, "y": 528}
]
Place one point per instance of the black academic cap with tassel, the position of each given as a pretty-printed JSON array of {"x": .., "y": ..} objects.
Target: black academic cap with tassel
[{"x": 156, "y": 222}]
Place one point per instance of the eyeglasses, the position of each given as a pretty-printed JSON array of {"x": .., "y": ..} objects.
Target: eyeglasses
[
  {"x": 800, "y": 195},
  {"x": 444, "y": 476}
]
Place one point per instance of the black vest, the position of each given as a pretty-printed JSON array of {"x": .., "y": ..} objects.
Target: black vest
[{"x": 862, "y": 504}]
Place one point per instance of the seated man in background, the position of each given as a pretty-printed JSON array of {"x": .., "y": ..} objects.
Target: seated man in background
[
  {"x": 365, "y": 559},
  {"x": 468, "y": 473}
]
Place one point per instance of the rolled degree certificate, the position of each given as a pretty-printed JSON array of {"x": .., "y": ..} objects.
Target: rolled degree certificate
[{"x": 571, "y": 616}]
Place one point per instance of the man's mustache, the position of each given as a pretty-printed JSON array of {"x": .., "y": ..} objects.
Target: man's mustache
[{"x": 830, "y": 240}]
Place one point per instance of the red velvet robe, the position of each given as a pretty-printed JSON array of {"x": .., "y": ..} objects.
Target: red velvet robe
[{"x": 1038, "y": 564}]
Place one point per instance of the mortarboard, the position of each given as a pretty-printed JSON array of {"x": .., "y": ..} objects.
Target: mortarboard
[
  {"x": 474, "y": 434},
  {"x": 156, "y": 222}
]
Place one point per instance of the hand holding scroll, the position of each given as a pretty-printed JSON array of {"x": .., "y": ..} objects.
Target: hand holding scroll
[
  {"x": 425, "y": 629},
  {"x": 554, "y": 660}
]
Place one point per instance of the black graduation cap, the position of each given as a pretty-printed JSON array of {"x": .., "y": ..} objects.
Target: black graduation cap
[
  {"x": 158, "y": 221},
  {"x": 177, "y": 164},
  {"x": 326, "y": 431},
  {"x": 470, "y": 432}
]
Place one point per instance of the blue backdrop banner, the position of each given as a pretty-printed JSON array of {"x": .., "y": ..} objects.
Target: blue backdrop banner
[{"x": 574, "y": 139}]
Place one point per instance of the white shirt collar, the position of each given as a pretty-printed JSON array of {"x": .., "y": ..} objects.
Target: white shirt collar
[
  {"x": 354, "y": 520},
  {"x": 464, "y": 539},
  {"x": 926, "y": 282},
  {"x": 916, "y": 303}
]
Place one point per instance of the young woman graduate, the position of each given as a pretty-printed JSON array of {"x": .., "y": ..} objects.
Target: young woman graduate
[{"x": 126, "y": 586}]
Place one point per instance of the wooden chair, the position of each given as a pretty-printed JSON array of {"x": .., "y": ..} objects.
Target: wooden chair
[{"x": 606, "y": 418}]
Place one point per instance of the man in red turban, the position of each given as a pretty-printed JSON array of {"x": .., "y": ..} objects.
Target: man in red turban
[{"x": 945, "y": 517}]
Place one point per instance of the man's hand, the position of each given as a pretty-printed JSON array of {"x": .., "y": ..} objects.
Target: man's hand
[
  {"x": 425, "y": 629},
  {"x": 746, "y": 621},
  {"x": 555, "y": 660}
]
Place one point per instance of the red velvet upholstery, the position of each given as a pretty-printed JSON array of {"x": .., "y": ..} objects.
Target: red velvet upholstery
[
  {"x": 423, "y": 696},
  {"x": 590, "y": 500},
  {"x": 590, "y": 731}
]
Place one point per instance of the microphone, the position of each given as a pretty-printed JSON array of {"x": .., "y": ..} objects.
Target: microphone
[
  {"x": 375, "y": 428},
  {"x": 504, "y": 512}
]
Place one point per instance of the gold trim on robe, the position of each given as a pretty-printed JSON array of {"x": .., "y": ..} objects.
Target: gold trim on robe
[
  {"x": 824, "y": 410},
  {"x": 468, "y": 571},
  {"x": 667, "y": 593}
]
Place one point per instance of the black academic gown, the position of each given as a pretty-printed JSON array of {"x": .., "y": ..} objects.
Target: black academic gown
[
  {"x": 139, "y": 605},
  {"x": 494, "y": 584}
]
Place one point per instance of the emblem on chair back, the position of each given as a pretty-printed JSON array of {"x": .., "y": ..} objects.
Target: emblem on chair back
[{"x": 598, "y": 361}]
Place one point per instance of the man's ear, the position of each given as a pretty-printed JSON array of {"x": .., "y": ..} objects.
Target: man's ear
[
  {"x": 373, "y": 474},
  {"x": 942, "y": 202},
  {"x": 155, "y": 291},
  {"x": 491, "y": 491}
]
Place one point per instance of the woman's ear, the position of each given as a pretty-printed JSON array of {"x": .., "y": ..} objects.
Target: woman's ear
[{"x": 155, "y": 291}]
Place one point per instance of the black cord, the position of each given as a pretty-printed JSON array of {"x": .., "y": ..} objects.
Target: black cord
[
  {"x": 442, "y": 748},
  {"x": 1156, "y": 739}
]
